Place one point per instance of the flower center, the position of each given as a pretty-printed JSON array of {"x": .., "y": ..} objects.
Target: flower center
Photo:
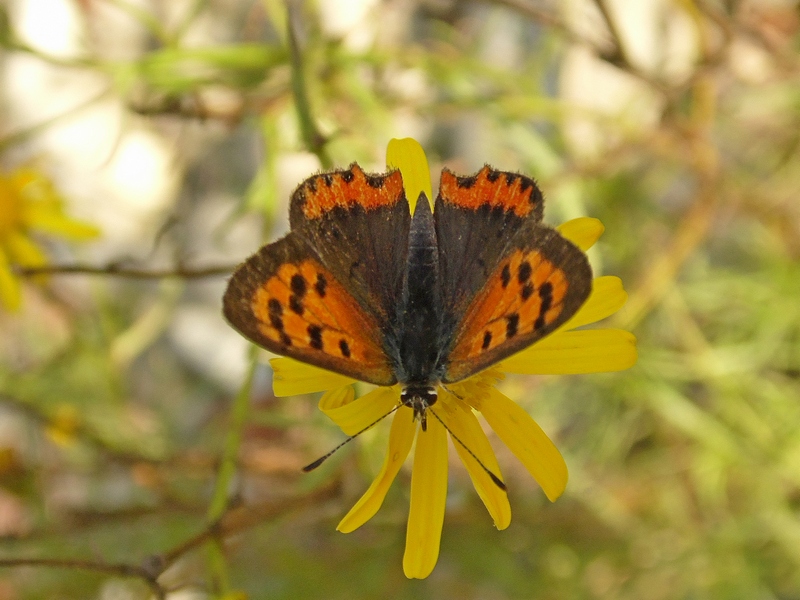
[{"x": 10, "y": 205}]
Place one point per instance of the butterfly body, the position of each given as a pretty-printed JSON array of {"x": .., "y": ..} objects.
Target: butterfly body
[{"x": 362, "y": 288}]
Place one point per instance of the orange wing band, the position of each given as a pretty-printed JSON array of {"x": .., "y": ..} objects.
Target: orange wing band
[
  {"x": 346, "y": 189},
  {"x": 495, "y": 188},
  {"x": 525, "y": 294},
  {"x": 302, "y": 306}
]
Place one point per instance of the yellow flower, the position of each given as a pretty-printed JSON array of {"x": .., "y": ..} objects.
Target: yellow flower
[
  {"x": 29, "y": 204},
  {"x": 567, "y": 350}
]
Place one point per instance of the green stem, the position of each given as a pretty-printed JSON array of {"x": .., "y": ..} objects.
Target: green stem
[
  {"x": 312, "y": 138},
  {"x": 227, "y": 469}
]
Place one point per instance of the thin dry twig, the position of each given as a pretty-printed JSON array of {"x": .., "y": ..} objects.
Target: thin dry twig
[
  {"x": 152, "y": 567},
  {"x": 128, "y": 272},
  {"x": 119, "y": 569}
]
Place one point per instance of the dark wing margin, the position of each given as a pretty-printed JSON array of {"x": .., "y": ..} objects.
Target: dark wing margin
[{"x": 284, "y": 299}]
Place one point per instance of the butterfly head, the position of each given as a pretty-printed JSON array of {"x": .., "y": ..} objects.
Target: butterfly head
[{"x": 419, "y": 398}]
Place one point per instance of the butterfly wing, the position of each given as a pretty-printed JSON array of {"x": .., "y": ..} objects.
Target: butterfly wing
[
  {"x": 285, "y": 300},
  {"x": 324, "y": 293},
  {"x": 476, "y": 218},
  {"x": 358, "y": 224},
  {"x": 511, "y": 279}
]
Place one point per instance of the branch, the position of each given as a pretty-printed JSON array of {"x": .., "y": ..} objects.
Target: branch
[
  {"x": 128, "y": 272},
  {"x": 241, "y": 518},
  {"x": 120, "y": 569}
]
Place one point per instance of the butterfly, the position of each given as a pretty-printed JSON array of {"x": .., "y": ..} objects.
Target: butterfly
[{"x": 362, "y": 287}]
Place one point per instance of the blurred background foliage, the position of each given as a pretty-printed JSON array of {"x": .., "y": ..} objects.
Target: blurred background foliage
[{"x": 129, "y": 470}]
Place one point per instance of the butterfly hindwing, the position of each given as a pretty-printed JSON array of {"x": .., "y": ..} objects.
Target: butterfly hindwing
[
  {"x": 538, "y": 283},
  {"x": 284, "y": 299}
]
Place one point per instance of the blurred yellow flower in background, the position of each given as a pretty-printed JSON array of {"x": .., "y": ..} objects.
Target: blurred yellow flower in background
[
  {"x": 567, "y": 350},
  {"x": 29, "y": 206}
]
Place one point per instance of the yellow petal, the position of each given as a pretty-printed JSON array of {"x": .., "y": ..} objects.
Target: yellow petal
[
  {"x": 23, "y": 251},
  {"x": 464, "y": 425},
  {"x": 44, "y": 220},
  {"x": 572, "y": 352},
  {"x": 408, "y": 156},
  {"x": 355, "y": 415},
  {"x": 428, "y": 495},
  {"x": 526, "y": 440},
  {"x": 292, "y": 378},
  {"x": 400, "y": 439},
  {"x": 583, "y": 231},
  {"x": 10, "y": 291},
  {"x": 607, "y": 297}
]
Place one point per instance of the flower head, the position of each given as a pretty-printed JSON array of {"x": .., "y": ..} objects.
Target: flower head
[
  {"x": 567, "y": 350},
  {"x": 29, "y": 204}
]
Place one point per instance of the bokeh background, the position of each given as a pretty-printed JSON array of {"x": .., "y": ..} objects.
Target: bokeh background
[{"x": 180, "y": 128}]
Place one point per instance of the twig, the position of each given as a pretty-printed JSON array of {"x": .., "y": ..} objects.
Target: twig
[
  {"x": 227, "y": 469},
  {"x": 119, "y": 569},
  {"x": 239, "y": 519},
  {"x": 128, "y": 272}
]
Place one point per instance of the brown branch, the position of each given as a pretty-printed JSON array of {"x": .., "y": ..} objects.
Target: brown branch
[
  {"x": 241, "y": 518},
  {"x": 152, "y": 567},
  {"x": 119, "y": 569},
  {"x": 127, "y": 272}
]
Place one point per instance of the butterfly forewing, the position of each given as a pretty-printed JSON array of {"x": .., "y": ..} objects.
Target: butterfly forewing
[
  {"x": 358, "y": 225},
  {"x": 284, "y": 299},
  {"x": 536, "y": 285},
  {"x": 476, "y": 218}
]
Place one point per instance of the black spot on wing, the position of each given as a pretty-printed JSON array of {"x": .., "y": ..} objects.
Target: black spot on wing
[
  {"x": 296, "y": 305},
  {"x": 527, "y": 291},
  {"x": 512, "y": 324},
  {"x": 275, "y": 307},
  {"x": 275, "y": 314},
  {"x": 466, "y": 182},
  {"x": 376, "y": 181},
  {"x": 320, "y": 285},
  {"x": 487, "y": 340},
  {"x": 298, "y": 285},
  {"x": 524, "y": 273},
  {"x": 348, "y": 176},
  {"x": 506, "y": 275},
  {"x": 546, "y": 294},
  {"x": 315, "y": 336},
  {"x": 345, "y": 348}
]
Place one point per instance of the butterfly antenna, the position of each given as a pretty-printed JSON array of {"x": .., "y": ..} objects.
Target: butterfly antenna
[
  {"x": 497, "y": 481},
  {"x": 322, "y": 459}
]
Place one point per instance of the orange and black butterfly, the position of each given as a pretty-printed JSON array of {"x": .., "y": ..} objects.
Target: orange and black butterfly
[{"x": 363, "y": 288}]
